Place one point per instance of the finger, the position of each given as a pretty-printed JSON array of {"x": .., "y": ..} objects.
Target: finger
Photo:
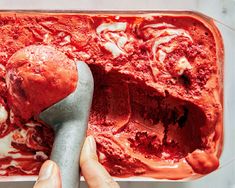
[
  {"x": 94, "y": 173},
  {"x": 49, "y": 176}
]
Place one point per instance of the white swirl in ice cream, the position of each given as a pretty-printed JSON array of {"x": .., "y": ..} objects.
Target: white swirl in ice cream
[
  {"x": 3, "y": 114},
  {"x": 113, "y": 37},
  {"x": 7, "y": 150},
  {"x": 164, "y": 41},
  {"x": 182, "y": 65}
]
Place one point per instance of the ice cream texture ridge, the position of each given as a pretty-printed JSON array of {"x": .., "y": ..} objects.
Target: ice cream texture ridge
[{"x": 157, "y": 109}]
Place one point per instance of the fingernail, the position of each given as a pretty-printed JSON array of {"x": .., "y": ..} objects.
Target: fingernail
[
  {"x": 46, "y": 172},
  {"x": 92, "y": 144}
]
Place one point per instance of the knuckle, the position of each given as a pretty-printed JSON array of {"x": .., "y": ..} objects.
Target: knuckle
[
  {"x": 111, "y": 183},
  {"x": 87, "y": 160}
]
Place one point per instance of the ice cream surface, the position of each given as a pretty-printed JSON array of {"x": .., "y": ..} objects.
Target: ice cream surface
[{"x": 157, "y": 107}]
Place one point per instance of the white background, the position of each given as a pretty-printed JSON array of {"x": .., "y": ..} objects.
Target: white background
[{"x": 222, "y": 10}]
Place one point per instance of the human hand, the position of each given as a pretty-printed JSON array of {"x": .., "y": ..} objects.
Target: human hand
[{"x": 94, "y": 173}]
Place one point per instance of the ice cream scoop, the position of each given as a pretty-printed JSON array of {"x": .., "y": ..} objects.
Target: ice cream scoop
[
  {"x": 45, "y": 84},
  {"x": 69, "y": 119}
]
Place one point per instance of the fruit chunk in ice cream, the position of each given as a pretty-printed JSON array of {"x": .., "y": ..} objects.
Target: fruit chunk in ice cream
[
  {"x": 37, "y": 77},
  {"x": 157, "y": 106}
]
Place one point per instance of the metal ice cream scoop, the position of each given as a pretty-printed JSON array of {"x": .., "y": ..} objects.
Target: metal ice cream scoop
[{"x": 69, "y": 119}]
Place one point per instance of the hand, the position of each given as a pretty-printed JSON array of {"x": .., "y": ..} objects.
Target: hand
[{"x": 94, "y": 173}]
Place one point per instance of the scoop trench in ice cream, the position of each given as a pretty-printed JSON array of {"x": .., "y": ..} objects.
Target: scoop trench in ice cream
[{"x": 157, "y": 109}]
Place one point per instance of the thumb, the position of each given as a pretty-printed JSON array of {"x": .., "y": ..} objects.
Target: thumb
[
  {"x": 94, "y": 173},
  {"x": 49, "y": 176}
]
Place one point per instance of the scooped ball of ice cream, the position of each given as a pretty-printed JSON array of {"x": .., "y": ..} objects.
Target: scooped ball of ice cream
[{"x": 37, "y": 77}]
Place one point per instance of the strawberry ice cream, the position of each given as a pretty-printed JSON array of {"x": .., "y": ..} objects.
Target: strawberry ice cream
[
  {"x": 37, "y": 77},
  {"x": 157, "y": 109}
]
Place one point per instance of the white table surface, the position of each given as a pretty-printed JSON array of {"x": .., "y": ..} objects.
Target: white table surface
[{"x": 223, "y": 10}]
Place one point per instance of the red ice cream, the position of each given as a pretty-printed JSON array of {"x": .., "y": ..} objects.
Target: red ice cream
[
  {"x": 37, "y": 77},
  {"x": 157, "y": 107}
]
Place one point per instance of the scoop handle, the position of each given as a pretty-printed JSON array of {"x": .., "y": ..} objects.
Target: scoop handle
[{"x": 66, "y": 151}]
